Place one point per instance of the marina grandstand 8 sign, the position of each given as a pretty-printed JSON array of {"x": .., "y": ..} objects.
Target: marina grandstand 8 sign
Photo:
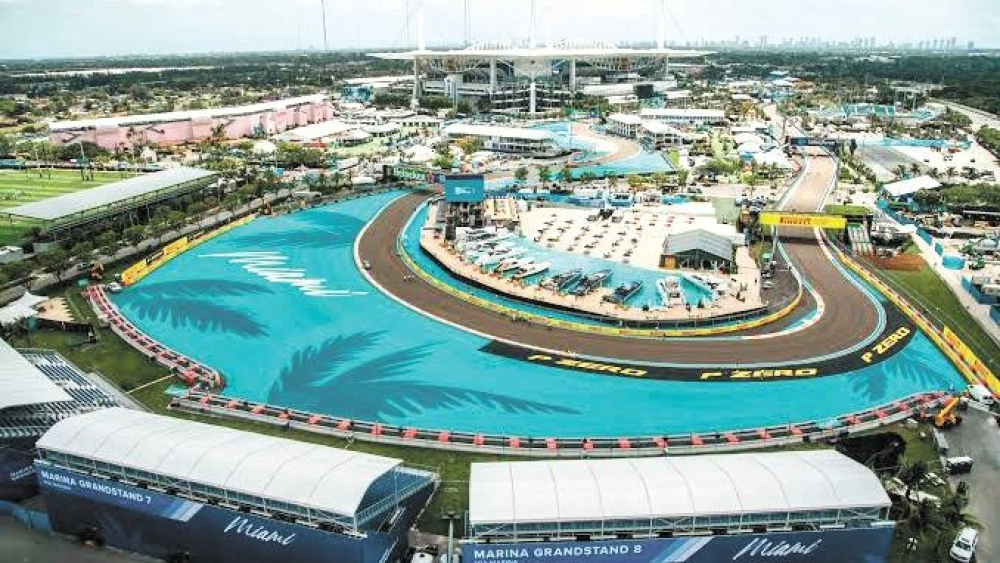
[
  {"x": 811, "y": 220},
  {"x": 863, "y": 545}
]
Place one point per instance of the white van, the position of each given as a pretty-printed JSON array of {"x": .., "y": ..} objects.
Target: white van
[{"x": 981, "y": 394}]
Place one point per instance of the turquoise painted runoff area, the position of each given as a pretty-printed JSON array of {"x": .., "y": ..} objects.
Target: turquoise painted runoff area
[{"x": 280, "y": 308}]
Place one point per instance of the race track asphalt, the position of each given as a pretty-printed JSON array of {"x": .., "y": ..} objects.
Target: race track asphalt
[{"x": 850, "y": 317}]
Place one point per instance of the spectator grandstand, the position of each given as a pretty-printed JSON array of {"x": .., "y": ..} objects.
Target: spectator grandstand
[
  {"x": 641, "y": 506},
  {"x": 37, "y": 390},
  {"x": 162, "y": 486}
]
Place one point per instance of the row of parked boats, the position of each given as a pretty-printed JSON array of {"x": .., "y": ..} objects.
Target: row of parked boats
[{"x": 500, "y": 253}]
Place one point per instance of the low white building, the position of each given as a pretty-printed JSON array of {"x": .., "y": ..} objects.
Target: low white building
[
  {"x": 684, "y": 116},
  {"x": 518, "y": 140},
  {"x": 649, "y": 131}
]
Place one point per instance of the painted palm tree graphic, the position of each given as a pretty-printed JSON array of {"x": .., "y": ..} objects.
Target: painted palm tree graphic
[
  {"x": 320, "y": 230},
  {"x": 189, "y": 303},
  {"x": 377, "y": 388},
  {"x": 919, "y": 366}
]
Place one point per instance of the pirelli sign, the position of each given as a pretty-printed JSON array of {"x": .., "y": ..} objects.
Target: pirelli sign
[{"x": 809, "y": 220}]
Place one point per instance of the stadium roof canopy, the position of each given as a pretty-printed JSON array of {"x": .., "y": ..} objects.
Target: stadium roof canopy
[
  {"x": 21, "y": 383},
  {"x": 669, "y": 487},
  {"x": 144, "y": 187},
  {"x": 280, "y": 470},
  {"x": 506, "y": 52}
]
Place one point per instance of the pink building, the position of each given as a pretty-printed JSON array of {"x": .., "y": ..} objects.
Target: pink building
[{"x": 266, "y": 118}]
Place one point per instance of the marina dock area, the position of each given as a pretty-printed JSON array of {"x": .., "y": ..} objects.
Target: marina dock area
[{"x": 593, "y": 303}]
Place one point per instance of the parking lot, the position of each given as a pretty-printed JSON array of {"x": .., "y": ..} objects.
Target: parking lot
[{"x": 979, "y": 438}]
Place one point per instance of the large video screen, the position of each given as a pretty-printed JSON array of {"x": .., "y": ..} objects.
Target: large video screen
[{"x": 465, "y": 188}]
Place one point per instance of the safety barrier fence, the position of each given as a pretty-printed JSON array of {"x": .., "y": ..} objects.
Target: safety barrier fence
[
  {"x": 968, "y": 364},
  {"x": 779, "y": 311},
  {"x": 197, "y": 401},
  {"x": 190, "y": 371},
  {"x": 144, "y": 267}
]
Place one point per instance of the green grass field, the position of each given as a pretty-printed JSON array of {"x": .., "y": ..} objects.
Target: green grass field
[
  {"x": 18, "y": 187},
  {"x": 925, "y": 289}
]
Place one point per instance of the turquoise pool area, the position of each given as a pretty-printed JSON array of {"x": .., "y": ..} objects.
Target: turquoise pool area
[{"x": 279, "y": 307}]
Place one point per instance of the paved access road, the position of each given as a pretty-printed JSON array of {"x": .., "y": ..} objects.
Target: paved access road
[
  {"x": 849, "y": 318},
  {"x": 979, "y": 438}
]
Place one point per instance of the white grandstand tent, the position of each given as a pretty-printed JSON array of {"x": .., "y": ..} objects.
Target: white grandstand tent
[
  {"x": 679, "y": 493},
  {"x": 315, "y": 131},
  {"x": 911, "y": 186},
  {"x": 322, "y": 483},
  {"x": 21, "y": 308},
  {"x": 21, "y": 383},
  {"x": 116, "y": 194},
  {"x": 496, "y": 131}
]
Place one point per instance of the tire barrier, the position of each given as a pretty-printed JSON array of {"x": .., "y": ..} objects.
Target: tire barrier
[
  {"x": 191, "y": 372},
  {"x": 201, "y": 402}
]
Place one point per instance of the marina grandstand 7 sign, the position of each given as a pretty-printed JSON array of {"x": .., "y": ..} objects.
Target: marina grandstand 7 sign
[
  {"x": 863, "y": 545},
  {"x": 811, "y": 220}
]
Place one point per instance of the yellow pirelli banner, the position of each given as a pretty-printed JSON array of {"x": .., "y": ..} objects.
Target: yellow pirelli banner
[{"x": 817, "y": 221}]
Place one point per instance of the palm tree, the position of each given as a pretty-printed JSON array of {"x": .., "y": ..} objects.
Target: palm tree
[
  {"x": 915, "y": 168},
  {"x": 912, "y": 475},
  {"x": 924, "y": 518},
  {"x": 900, "y": 170},
  {"x": 566, "y": 175},
  {"x": 544, "y": 173},
  {"x": 521, "y": 174},
  {"x": 950, "y": 172}
]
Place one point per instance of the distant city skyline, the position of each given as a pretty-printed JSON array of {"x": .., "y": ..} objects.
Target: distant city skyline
[{"x": 81, "y": 28}]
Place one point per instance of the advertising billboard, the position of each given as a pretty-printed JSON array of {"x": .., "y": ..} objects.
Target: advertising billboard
[
  {"x": 863, "y": 545},
  {"x": 776, "y": 219},
  {"x": 464, "y": 188},
  {"x": 146, "y": 521},
  {"x": 813, "y": 142}
]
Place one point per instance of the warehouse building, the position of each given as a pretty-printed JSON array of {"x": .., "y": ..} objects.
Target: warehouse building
[{"x": 172, "y": 488}]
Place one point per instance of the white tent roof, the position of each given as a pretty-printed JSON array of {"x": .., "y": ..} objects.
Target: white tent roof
[
  {"x": 463, "y": 129},
  {"x": 187, "y": 115},
  {"x": 330, "y": 128},
  {"x": 21, "y": 383},
  {"x": 307, "y": 475},
  {"x": 669, "y": 487},
  {"x": 85, "y": 200},
  {"x": 911, "y": 186},
  {"x": 22, "y": 308}
]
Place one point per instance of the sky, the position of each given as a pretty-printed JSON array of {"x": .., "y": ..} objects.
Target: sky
[{"x": 61, "y": 28}]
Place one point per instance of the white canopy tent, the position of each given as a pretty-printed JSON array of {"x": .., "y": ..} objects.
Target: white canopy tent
[
  {"x": 669, "y": 487},
  {"x": 22, "y": 308},
  {"x": 280, "y": 470},
  {"x": 911, "y": 186},
  {"x": 21, "y": 383}
]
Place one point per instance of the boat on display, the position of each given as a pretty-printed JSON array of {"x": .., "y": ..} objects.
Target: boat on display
[
  {"x": 562, "y": 280},
  {"x": 532, "y": 269},
  {"x": 513, "y": 263},
  {"x": 621, "y": 198},
  {"x": 624, "y": 292},
  {"x": 498, "y": 256},
  {"x": 670, "y": 291},
  {"x": 591, "y": 282},
  {"x": 587, "y": 196}
]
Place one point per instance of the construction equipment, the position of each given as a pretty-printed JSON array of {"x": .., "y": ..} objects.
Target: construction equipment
[{"x": 946, "y": 417}]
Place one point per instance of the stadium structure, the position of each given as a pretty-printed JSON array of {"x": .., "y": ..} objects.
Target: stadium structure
[
  {"x": 818, "y": 505},
  {"x": 182, "y": 490},
  {"x": 517, "y": 76},
  {"x": 38, "y": 388}
]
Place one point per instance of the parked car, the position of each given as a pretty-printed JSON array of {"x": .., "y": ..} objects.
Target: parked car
[
  {"x": 964, "y": 546},
  {"x": 958, "y": 465}
]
